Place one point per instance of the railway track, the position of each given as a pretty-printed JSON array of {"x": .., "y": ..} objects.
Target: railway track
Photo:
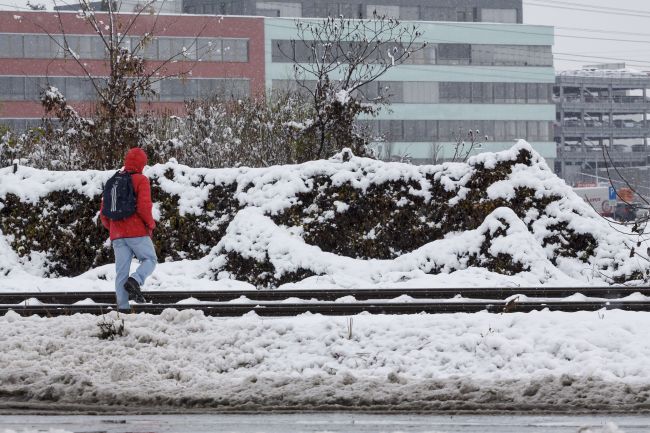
[{"x": 338, "y": 302}]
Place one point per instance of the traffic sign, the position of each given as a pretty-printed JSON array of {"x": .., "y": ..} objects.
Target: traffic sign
[{"x": 612, "y": 193}]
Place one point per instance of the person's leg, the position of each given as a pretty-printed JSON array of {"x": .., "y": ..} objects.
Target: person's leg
[
  {"x": 144, "y": 251},
  {"x": 123, "y": 257}
]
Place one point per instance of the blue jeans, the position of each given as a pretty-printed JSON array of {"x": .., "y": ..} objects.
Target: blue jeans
[{"x": 125, "y": 248}]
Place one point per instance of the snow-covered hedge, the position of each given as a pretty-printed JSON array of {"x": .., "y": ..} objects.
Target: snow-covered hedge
[{"x": 506, "y": 212}]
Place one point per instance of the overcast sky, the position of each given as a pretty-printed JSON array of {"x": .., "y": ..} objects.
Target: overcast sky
[{"x": 628, "y": 23}]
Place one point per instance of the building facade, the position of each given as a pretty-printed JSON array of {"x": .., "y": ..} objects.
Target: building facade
[
  {"x": 500, "y": 11},
  {"x": 497, "y": 78},
  {"x": 491, "y": 77},
  {"x": 602, "y": 120},
  {"x": 225, "y": 57}
]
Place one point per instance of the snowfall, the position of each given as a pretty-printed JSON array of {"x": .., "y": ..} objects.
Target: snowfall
[{"x": 540, "y": 361}]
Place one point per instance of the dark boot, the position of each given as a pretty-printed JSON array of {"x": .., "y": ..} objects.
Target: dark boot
[{"x": 133, "y": 289}]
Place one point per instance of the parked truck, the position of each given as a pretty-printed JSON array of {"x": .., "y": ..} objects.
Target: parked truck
[{"x": 599, "y": 197}]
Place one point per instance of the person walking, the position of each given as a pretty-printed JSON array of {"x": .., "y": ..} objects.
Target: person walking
[{"x": 126, "y": 212}]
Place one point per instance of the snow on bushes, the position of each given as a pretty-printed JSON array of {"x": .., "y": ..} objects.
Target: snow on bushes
[{"x": 505, "y": 212}]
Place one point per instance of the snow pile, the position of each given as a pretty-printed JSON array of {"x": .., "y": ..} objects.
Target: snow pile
[
  {"x": 537, "y": 361},
  {"x": 347, "y": 219},
  {"x": 501, "y": 243}
]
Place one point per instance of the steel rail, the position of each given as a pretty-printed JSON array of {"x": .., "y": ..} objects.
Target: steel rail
[
  {"x": 171, "y": 297},
  {"x": 337, "y": 309}
]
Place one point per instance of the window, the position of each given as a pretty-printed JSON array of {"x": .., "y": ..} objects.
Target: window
[
  {"x": 511, "y": 55},
  {"x": 415, "y": 130},
  {"x": 521, "y": 129},
  {"x": 423, "y": 56},
  {"x": 209, "y": 50},
  {"x": 381, "y": 10},
  {"x": 520, "y": 93},
  {"x": 370, "y": 91},
  {"x": 499, "y": 15},
  {"x": 454, "y": 54},
  {"x": 499, "y": 130},
  {"x": 544, "y": 93},
  {"x": 86, "y": 47},
  {"x": 432, "y": 130},
  {"x": 33, "y": 87},
  {"x": 12, "y": 88},
  {"x": 79, "y": 89},
  {"x": 224, "y": 88},
  {"x": 396, "y": 130},
  {"x": 280, "y": 9},
  {"x": 178, "y": 90},
  {"x": 177, "y": 48},
  {"x": 421, "y": 92},
  {"x": 511, "y": 130},
  {"x": 37, "y": 47},
  {"x": 510, "y": 93},
  {"x": 432, "y": 13},
  {"x": 235, "y": 50},
  {"x": 11, "y": 45},
  {"x": 393, "y": 90},
  {"x": 409, "y": 12},
  {"x": 533, "y": 131},
  {"x": 148, "y": 49},
  {"x": 481, "y": 93}
]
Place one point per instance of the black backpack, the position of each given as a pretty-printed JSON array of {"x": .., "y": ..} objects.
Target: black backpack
[{"x": 119, "y": 197}]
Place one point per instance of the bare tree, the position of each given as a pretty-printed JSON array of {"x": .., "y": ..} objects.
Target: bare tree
[
  {"x": 333, "y": 59},
  {"x": 465, "y": 143},
  {"x": 115, "y": 125},
  {"x": 635, "y": 224}
]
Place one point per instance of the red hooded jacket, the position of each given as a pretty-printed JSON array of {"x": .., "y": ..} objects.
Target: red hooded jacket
[{"x": 141, "y": 223}]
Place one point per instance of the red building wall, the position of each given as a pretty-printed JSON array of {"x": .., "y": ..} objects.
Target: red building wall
[{"x": 251, "y": 28}]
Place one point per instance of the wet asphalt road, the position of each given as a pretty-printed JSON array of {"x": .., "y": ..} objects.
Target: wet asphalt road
[{"x": 324, "y": 422}]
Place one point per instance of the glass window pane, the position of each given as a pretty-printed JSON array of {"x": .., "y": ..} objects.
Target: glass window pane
[
  {"x": 12, "y": 88},
  {"x": 235, "y": 50},
  {"x": 382, "y": 10},
  {"x": 209, "y": 50},
  {"x": 499, "y": 15},
  {"x": 37, "y": 46},
  {"x": 499, "y": 93},
  {"x": 394, "y": 90},
  {"x": 533, "y": 133},
  {"x": 432, "y": 130},
  {"x": 511, "y": 130},
  {"x": 165, "y": 48},
  {"x": 11, "y": 45},
  {"x": 454, "y": 54},
  {"x": 409, "y": 12},
  {"x": 33, "y": 87}
]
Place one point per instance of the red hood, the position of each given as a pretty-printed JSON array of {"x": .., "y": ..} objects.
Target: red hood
[{"x": 135, "y": 160}]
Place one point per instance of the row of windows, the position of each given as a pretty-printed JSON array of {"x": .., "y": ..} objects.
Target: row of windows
[
  {"x": 450, "y": 130},
  {"x": 356, "y": 10},
  {"x": 421, "y": 130},
  {"x": 14, "y": 45},
  {"x": 20, "y": 124},
  {"x": 431, "y": 54},
  {"x": 431, "y": 92},
  {"x": 323, "y": 9},
  {"x": 81, "y": 89}
]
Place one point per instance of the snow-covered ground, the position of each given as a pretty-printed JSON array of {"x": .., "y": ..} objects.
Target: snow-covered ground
[{"x": 549, "y": 361}]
